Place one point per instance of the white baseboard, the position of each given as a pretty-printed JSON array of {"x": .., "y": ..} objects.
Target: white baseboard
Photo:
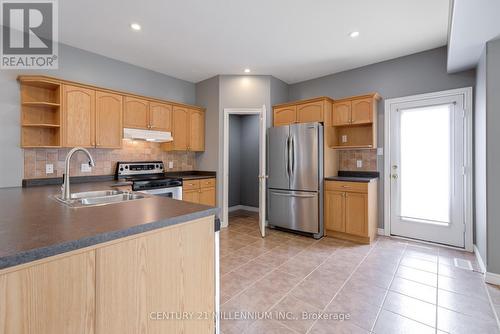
[
  {"x": 492, "y": 278},
  {"x": 243, "y": 207},
  {"x": 380, "y": 231},
  {"x": 482, "y": 265}
]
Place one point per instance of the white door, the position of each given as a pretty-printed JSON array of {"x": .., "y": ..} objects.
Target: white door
[
  {"x": 262, "y": 172},
  {"x": 428, "y": 169}
]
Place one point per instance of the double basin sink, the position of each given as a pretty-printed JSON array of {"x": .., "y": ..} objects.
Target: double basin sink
[{"x": 100, "y": 197}]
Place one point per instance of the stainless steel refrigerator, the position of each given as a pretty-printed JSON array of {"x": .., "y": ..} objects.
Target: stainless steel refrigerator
[{"x": 295, "y": 169}]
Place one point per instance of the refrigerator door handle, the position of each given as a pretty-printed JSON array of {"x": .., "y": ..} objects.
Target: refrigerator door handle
[
  {"x": 290, "y": 156},
  {"x": 293, "y": 195},
  {"x": 292, "y": 168},
  {"x": 287, "y": 156}
]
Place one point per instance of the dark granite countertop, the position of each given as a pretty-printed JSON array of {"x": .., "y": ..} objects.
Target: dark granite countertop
[
  {"x": 192, "y": 175},
  {"x": 353, "y": 176},
  {"x": 34, "y": 226}
]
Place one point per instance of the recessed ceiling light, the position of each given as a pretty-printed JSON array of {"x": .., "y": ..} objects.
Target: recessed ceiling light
[
  {"x": 354, "y": 34},
  {"x": 247, "y": 70},
  {"x": 135, "y": 26}
]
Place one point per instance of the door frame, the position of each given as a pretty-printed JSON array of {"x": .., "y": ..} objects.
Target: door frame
[
  {"x": 225, "y": 155},
  {"x": 466, "y": 94}
]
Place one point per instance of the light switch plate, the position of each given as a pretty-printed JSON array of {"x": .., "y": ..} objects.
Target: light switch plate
[
  {"x": 380, "y": 151},
  {"x": 170, "y": 164},
  {"x": 49, "y": 169},
  {"x": 344, "y": 138},
  {"x": 359, "y": 163},
  {"x": 86, "y": 168}
]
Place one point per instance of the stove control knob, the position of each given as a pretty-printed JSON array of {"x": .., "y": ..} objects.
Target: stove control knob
[
  {"x": 121, "y": 169},
  {"x": 126, "y": 167}
]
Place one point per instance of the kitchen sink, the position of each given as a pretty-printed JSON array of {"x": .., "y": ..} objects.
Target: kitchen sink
[{"x": 100, "y": 197}]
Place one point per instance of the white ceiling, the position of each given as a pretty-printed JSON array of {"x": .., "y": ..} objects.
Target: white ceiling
[
  {"x": 473, "y": 24},
  {"x": 293, "y": 40}
]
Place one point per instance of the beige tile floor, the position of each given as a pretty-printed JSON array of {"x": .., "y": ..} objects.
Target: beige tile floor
[{"x": 391, "y": 286}]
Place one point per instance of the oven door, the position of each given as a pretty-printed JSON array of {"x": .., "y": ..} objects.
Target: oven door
[{"x": 172, "y": 192}]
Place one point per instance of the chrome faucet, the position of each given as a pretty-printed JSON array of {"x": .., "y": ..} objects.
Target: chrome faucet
[{"x": 65, "y": 191}]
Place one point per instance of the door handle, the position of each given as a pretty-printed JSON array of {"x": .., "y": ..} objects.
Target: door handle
[
  {"x": 292, "y": 195},
  {"x": 395, "y": 176},
  {"x": 293, "y": 156},
  {"x": 290, "y": 153}
]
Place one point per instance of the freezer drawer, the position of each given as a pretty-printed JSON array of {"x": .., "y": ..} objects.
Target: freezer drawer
[{"x": 294, "y": 210}]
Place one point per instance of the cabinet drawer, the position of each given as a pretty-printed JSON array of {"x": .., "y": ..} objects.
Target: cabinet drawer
[
  {"x": 207, "y": 183},
  {"x": 191, "y": 184},
  {"x": 361, "y": 187}
]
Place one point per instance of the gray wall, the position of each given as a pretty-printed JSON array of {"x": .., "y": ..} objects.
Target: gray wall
[
  {"x": 493, "y": 154},
  {"x": 414, "y": 74},
  {"x": 78, "y": 65},
  {"x": 249, "y": 160},
  {"x": 480, "y": 186},
  {"x": 207, "y": 96},
  {"x": 244, "y": 160},
  {"x": 234, "y": 160}
]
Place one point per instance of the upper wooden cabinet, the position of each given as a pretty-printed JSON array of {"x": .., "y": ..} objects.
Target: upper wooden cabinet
[
  {"x": 285, "y": 115},
  {"x": 60, "y": 113},
  {"x": 78, "y": 116},
  {"x": 355, "y": 110},
  {"x": 306, "y": 111},
  {"x": 188, "y": 130},
  {"x": 196, "y": 130},
  {"x": 136, "y": 113},
  {"x": 341, "y": 113},
  {"x": 354, "y": 121},
  {"x": 108, "y": 125},
  {"x": 160, "y": 116}
]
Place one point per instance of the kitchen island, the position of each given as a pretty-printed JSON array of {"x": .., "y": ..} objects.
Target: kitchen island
[{"x": 143, "y": 266}]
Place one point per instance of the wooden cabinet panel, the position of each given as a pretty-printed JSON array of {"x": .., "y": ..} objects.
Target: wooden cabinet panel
[
  {"x": 48, "y": 298},
  {"x": 207, "y": 196},
  {"x": 310, "y": 112},
  {"x": 109, "y": 127},
  {"x": 192, "y": 196},
  {"x": 207, "y": 183},
  {"x": 356, "y": 212},
  {"x": 334, "y": 207},
  {"x": 285, "y": 115},
  {"x": 196, "y": 130},
  {"x": 341, "y": 113},
  {"x": 347, "y": 186},
  {"x": 78, "y": 116},
  {"x": 160, "y": 116},
  {"x": 362, "y": 111},
  {"x": 136, "y": 113},
  {"x": 191, "y": 184},
  {"x": 168, "y": 271},
  {"x": 180, "y": 128}
]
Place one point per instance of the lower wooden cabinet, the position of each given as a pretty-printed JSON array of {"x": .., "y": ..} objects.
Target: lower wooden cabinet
[
  {"x": 200, "y": 191},
  {"x": 126, "y": 286},
  {"x": 350, "y": 210},
  {"x": 48, "y": 298}
]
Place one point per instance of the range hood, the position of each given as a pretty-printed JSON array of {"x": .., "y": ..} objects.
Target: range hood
[{"x": 147, "y": 135}]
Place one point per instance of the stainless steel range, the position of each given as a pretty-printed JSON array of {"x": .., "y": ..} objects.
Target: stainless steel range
[{"x": 149, "y": 177}]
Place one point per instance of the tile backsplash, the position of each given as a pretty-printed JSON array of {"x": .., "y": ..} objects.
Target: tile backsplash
[
  {"x": 35, "y": 160},
  {"x": 348, "y": 160}
]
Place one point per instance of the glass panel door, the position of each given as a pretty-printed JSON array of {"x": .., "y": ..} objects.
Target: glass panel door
[{"x": 427, "y": 158}]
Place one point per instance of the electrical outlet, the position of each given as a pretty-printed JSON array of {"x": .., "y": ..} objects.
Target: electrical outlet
[
  {"x": 86, "y": 168},
  {"x": 344, "y": 138},
  {"x": 49, "y": 169},
  {"x": 170, "y": 164},
  {"x": 359, "y": 163}
]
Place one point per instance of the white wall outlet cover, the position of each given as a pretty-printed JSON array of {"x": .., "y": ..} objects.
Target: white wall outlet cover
[
  {"x": 49, "y": 169},
  {"x": 380, "y": 151},
  {"x": 344, "y": 138},
  {"x": 86, "y": 168},
  {"x": 170, "y": 164},
  {"x": 359, "y": 163}
]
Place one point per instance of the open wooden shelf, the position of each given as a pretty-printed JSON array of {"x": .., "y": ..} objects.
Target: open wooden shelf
[
  {"x": 41, "y": 104},
  {"x": 359, "y": 136},
  {"x": 40, "y": 114},
  {"x": 42, "y": 125}
]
